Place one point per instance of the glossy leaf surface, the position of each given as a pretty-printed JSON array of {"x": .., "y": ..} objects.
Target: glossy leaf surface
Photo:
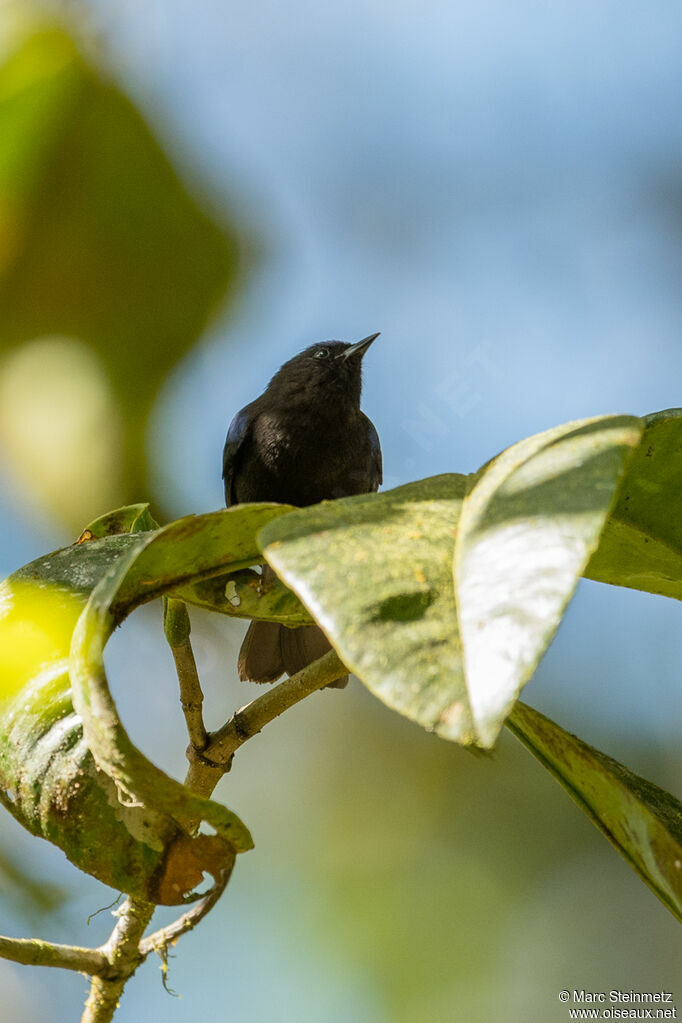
[
  {"x": 526, "y": 532},
  {"x": 641, "y": 546},
  {"x": 642, "y": 821},
  {"x": 114, "y": 813},
  {"x": 376, "y": 572}
]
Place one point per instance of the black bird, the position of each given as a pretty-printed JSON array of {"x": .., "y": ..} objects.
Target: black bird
[{"x": 302, "y": 441}]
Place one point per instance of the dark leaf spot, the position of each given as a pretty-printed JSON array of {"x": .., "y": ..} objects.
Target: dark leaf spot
[{"x": 405, "y": 607}]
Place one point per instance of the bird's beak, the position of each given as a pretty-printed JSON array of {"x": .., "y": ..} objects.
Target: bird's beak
[{"x": 360, "y": 348}]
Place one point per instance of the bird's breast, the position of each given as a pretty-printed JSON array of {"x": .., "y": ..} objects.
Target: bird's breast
[
  {"x": 273, "y": 440},
  {"x": 305, "y": 460}
]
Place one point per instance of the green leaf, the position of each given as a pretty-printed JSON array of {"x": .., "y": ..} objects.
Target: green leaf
[
  {"x": 375, "y": 572},
  {"x": 642, "y": 821},
  {"x": 526, "y": 532},
  {"x": 641, "y": 546},
  {"x": 68, "y": 771},
  {"x": 134, "y": 518},
  {"x": 245, "y": 594},
  {"x": 106, "y": 258}
]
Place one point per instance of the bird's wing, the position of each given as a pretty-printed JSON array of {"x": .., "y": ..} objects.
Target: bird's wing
[
  {"x": 236, "y": 435},
  {"x": 376, "y": 474}
]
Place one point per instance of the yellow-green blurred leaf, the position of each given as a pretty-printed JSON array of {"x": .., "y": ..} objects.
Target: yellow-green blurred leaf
[
  {"x": 60, "y": 427},
  {"x": 101, "y": 244}
]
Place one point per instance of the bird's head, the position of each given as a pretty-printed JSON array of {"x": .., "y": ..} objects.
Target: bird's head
[{"x": 330, "y": 367}]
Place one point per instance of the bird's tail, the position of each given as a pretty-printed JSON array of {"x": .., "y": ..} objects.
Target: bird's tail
[{"x": 270, "y": 649}]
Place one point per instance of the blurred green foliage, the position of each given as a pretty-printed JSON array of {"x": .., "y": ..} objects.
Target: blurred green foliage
[
  {"x": 456, "y": 888},
  {"x": 101, "y": 244},
  {"x": 30, "y": 895}
]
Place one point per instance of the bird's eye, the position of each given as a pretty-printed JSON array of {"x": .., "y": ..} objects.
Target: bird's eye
[{"x": 322, "y": 353}]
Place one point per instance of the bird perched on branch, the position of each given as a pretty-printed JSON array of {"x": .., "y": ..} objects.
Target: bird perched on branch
[{"x": 303, "y": 440}]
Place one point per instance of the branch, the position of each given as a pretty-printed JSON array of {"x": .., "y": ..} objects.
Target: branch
[
  {"x": 122, "y": 952},
  {"x": 249, "y": 721},
  {"x": 177, "y": 627},
  {"x": 110, "y": 966},
  {"x": 35, "y": 952},
  {"x": 207, "y": 767},
  {"x": 113, "y": 964}
]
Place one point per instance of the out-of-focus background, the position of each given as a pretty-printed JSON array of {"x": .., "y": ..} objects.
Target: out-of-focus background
[{"x": 190, "y": 193}]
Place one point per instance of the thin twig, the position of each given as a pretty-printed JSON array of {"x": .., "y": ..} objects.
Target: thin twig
[
  {"x": 191, "y": 696},
  {"x": 177, "y": 627},
  {"x": 207, "y": 768},
  {"x": 249, "y": 721}
]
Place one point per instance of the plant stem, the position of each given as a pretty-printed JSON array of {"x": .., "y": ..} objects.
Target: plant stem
[
  {"x": 206, "y": 769},
  {"x": 122, "y": 951},
  {"x": 35, "y": 952},
  {"x": 177, "y": 627}
]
